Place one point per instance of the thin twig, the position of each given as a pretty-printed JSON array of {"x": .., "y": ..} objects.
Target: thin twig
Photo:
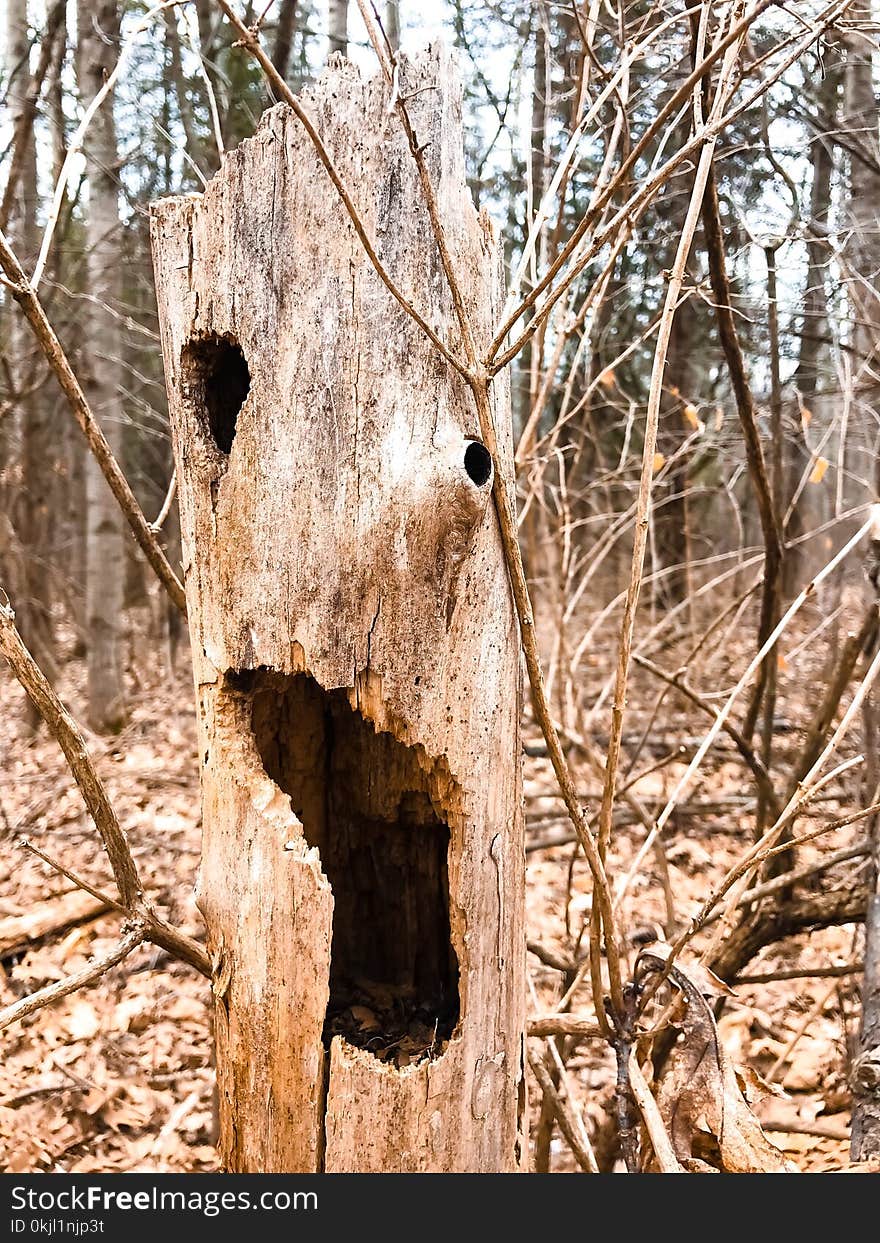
[
  {"x": 82, "y": 979},
  {"x": 251, "y": 42},
  {"x": 159, "y": 521},
  {"x": 68, "y": 736},
  {"x": 803, "y": 973},
  {"x": 79, "y": 881},
  {"x": 584, "y": 1158},
  {"x": 54, "y": 353}
]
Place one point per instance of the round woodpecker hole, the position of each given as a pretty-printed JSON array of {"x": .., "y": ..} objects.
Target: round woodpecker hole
[{"x": 478, "y": 463}]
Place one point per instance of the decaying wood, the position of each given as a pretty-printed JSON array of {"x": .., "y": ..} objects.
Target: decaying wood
[
  {"x": 821, "y": 910},
  {"x": 793, "y": 1125},
  {"x": 478, "y": 377},
  {"x": 354, "y": 643}
]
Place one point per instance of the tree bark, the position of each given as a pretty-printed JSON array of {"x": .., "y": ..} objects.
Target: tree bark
[
  {"x": 355, "y": 647},
  {"x": 55, "y": 101},
  {"x": 863, "y": 218},
  {"x": 862, "y": 212},
  {"x": 284, "y": 37},
  {"x": 337, "y": 26},
  {"x": 97, "y": 51},
  {"x": 392, "y": 23},
  {"x": 814, "y": 325},
  {"x": 670, "y": 515},
  {"x": 815, "y": 301},
  {"x": 31, "y": 453}
]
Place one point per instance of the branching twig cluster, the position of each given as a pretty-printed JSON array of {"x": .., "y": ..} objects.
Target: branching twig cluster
[{"x": 555, "y": 324}]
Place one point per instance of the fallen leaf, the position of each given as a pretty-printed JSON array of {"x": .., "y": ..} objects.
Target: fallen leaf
[
  {"x": 755, "y": 1087},
  {"x": 699, "y": 1097},
  {"x": 817, "y": 474},
  {"x": 83, "y": 1021},
  {"x": 659, "y": 462},
  {"x": 365, "y": 1018}
]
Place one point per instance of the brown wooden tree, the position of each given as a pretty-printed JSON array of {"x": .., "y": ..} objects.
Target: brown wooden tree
[{"x": 355, "y": 646}]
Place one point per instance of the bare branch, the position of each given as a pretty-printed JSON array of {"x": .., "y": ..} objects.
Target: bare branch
[
  {"x": 90, "y": 974},
  {"x": 583, "y": 1156},
  {"x": 25, "y": 119},
  {"x": 68, "y": 736},
  {"x": 48, "y": 341}
]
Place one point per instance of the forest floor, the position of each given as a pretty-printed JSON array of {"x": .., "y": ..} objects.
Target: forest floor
[{"x": 119, "y": 1077}]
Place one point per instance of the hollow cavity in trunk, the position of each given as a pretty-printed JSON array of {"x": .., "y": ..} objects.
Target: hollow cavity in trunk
[{"x": 367, "y": 804}]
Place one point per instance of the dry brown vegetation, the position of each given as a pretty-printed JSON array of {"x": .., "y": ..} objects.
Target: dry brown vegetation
[
  {"x": 686, "y": 518},
  {"x": 119, "y": 1077}
]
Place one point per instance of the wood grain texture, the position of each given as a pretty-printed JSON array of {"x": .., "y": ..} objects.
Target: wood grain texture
[{"x": 354, "y": 642}]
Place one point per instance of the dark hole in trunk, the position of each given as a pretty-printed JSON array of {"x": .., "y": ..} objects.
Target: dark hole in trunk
[
  {"x": 478, "y": 463},
  {"x": 222, "y": 381},
  {"x": 365, "y": 803}
]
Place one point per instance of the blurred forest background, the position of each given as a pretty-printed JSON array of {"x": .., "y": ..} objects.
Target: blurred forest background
[{"x": 794, "y": 238}]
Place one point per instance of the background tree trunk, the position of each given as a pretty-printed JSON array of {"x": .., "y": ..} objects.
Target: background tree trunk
[
  {"x": 814, "y": 346},
  {"x": 392, "y": 23},
  {"x": 284, "y": 36},
  {"x": 337, "y": 26},
  {"x": 862, "y": 218},
  {"x": 355, "y": 648},
  {"x": 26, "y": 541},
  {"x": 670, "y": 516},
  {"x": 97, "y": 51}
]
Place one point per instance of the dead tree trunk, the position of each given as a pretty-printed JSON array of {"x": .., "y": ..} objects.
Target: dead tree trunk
[{"x": 355, "y": 647}]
